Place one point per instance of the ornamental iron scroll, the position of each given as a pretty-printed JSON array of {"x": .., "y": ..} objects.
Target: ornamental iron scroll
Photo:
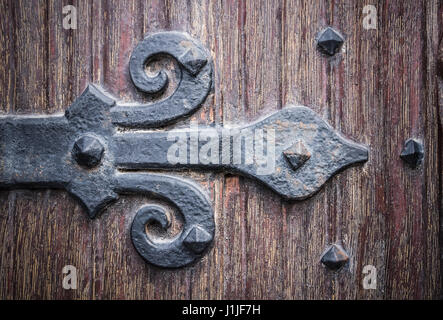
[{"x": 85, "y": 152}]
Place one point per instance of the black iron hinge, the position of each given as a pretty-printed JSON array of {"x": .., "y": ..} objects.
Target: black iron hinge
[{"x": 292, "y": 151}]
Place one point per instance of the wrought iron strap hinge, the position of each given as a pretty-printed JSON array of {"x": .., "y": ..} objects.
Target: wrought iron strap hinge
[{"x": 292, "y": 151}]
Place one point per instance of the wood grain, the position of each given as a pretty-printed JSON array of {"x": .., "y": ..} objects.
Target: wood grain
[{"x": 381, "y": 89}]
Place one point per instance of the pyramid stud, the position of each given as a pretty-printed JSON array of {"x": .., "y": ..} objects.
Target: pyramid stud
[
  {"x": 197, "y": 239},
  {"x": 297, "y": 154},
  {"x": 88, "y": 151},
  {"x": 412, "y": 152},
  {"x": 335, "y": 257},
  {"x": 193, "y": 60},
  {"x": 329, "y": 41}
]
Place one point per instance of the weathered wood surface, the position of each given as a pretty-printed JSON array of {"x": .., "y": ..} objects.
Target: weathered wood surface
[{"x": 380, "y": 91}]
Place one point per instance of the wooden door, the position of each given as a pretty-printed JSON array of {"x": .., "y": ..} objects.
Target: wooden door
[{"x": 381, "y": 89}]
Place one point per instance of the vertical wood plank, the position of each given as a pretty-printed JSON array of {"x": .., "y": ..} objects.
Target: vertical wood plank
[
  {"x": 7, "y": 101},
  {"x": 229, "y": 68},
  {"x": 308, "y": 227},
  {"x": 356, "y": 111},
  {"x": 261, "y": 94},
  {"x": 432, "y": 189},
  {"x": 405, "y": 101},
  {"x": 44, "y": 224}
]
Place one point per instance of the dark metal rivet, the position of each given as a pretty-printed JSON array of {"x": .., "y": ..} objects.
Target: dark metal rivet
[
  {"x": 335, "y": 257},
  {"x": 329, "y": 41},
  {"x": 193, "y": 61},
  {"x": 197, "y": 239},
  {"x": 412, "y": 152},
  {"x": 297, "y": 154},
  {"x": 88, "y": 151}
]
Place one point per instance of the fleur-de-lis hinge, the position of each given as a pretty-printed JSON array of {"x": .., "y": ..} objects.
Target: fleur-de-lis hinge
[{"x": 86, "y": 152}]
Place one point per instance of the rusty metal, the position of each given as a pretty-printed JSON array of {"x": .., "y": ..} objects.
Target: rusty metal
[
  {"x": 335, "y": 257},
  {"x": 293, "y": 151}
]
